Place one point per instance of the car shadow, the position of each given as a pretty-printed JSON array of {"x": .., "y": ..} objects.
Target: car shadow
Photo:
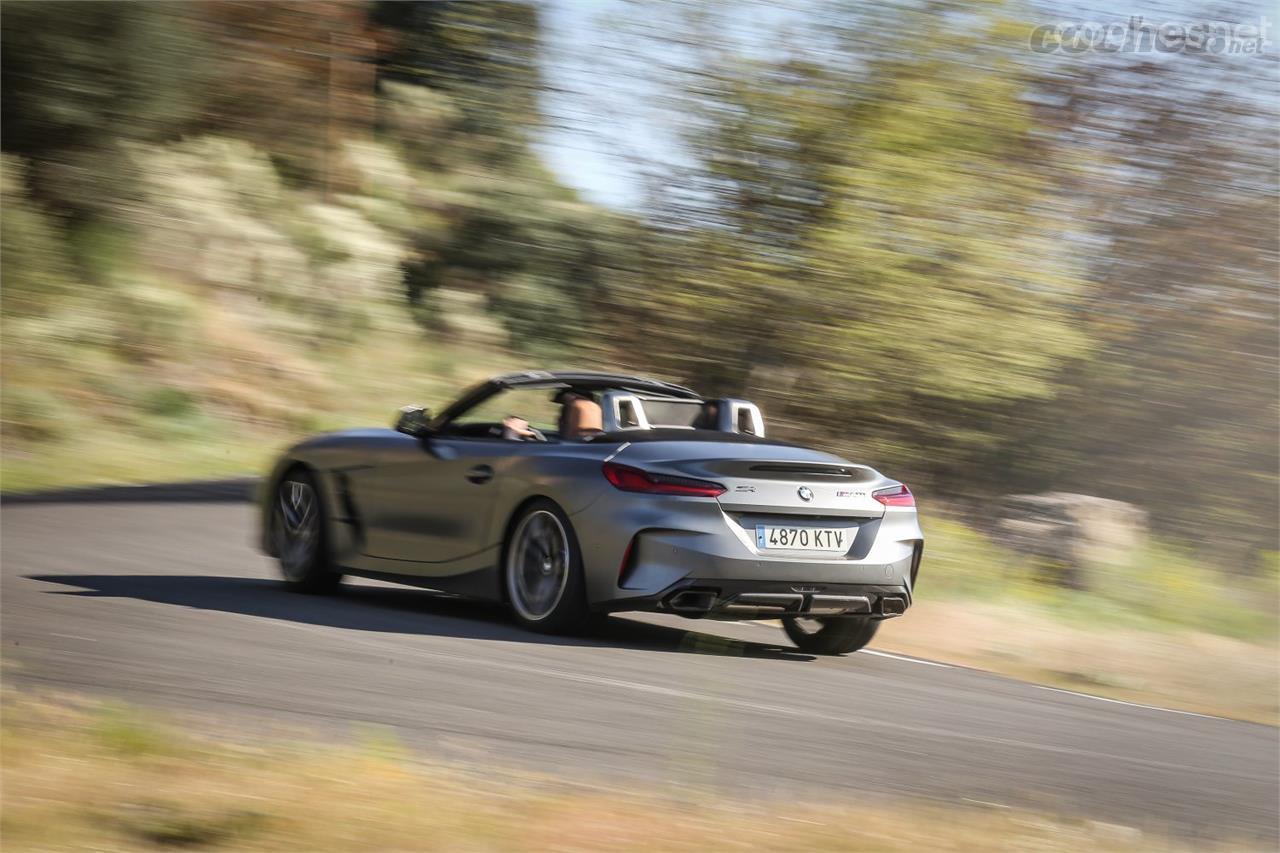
[{"x": 396, "y": 610}]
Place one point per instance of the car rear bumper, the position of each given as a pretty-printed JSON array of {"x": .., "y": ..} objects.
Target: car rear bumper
[
  {"x": 700, "y": 598},
  {"x": 637, "y": 549}
]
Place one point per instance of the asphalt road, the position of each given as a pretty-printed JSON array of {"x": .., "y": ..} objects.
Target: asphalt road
[{"x": 168, "y": 604}]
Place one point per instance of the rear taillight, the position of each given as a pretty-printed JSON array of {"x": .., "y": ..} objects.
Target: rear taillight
[
  {"x": 630, "y": 479},
  {"x": 895, "y": 496}
]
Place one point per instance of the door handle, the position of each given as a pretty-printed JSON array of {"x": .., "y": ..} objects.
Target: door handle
[{"x": 480, "y": 474}]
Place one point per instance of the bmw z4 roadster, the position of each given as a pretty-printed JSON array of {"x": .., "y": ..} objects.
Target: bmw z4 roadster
[{"x": 570, "y": 494}]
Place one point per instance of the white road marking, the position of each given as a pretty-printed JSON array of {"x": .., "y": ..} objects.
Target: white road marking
[
  {"x": 876, "y": 652},
  {"x": 985, "y": 803},
  {"x": 73, "y": 637},
  {"x": 1130, "y": 704},
  {"x": 881, "y": 654}
]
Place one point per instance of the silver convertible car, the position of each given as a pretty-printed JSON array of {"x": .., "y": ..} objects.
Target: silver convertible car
[{"x": 567, "y": 495}]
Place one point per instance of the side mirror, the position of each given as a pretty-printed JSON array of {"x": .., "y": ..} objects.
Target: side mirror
[{"x": 414, "y": 421}]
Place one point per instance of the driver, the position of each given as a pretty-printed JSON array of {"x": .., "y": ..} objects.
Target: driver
[
  {"x": 580, "y": 415},
  {"x": 516, "y": 428}
]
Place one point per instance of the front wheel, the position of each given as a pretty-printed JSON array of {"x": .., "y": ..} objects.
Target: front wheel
[
  {"x": 542, "y": 570},
  {"x": 301, "y": 538},
  {"x": 830, "y": 636}
]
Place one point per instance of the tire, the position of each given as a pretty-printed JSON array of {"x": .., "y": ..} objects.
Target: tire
[
  {"x": 830, "y": 636},
  {"x": 299, "y": 529},
  {"x": 542, "y": 573}
]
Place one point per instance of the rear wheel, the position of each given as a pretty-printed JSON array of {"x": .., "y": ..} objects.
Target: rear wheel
[
  {"x": 299, "y": 530},
  {"x": 830, "y": 636},
  {"x": 542, "y": 569}
]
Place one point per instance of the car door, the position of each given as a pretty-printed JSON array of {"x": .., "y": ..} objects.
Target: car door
[{"x": 430, "y": 502}]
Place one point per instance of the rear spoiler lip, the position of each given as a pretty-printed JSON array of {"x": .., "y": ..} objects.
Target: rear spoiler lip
[
  {"x": 811, "y": 469},
  {"x": 660, "y": 434},
  {"x": 731, "y": 469}
]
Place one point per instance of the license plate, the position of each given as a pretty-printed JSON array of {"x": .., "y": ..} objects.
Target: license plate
[{"x": 771, "y": 537}]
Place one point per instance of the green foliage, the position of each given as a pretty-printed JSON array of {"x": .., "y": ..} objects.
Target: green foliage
[
  {"x": 953, "y": 287},
  {"x": 959, "y": 562},
  {"x": 1158, "y": 587},
  {"x": 1168, "y": 585},
  {"x": 129, "y": 733},
  {"x": 539, "y": 312},
  {"x": 150, "y": 322},
  {"x": 971, "y": 267},
  {"x": 880, "y": 239},
  {"x": 168, "y": 825},
  {"x": 935, "y": 253},
  {"x": 483, "y": 57},
  {"x": 169, "y": 403},
  {"x": 422, "y": 121},
  {"x": 1178, "y": 409},
  {"x": 79, "y": 77},
  {"x": 36, "y": 267},
  {"x": 102, "y": 249},
  {"x": 34, "y": 414}
]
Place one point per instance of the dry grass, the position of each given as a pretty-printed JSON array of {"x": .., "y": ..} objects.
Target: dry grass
[
  {"x": 239, "y": 419},
  {"x": 82, "y": 776},
  {"x": 1183, "y": 669}
]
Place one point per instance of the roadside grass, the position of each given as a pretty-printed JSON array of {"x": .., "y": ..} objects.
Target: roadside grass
[
  {"x": 1181, "y": 669},
  {"x": 81, "y": 775},
  {"x": 1159, "y": 629},
  {"x": 204, "y": 427},
  {"x": 1157, "y": 588}
]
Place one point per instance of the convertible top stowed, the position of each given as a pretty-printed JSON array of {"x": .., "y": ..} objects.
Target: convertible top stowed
[{"x": 648, "y": 497}]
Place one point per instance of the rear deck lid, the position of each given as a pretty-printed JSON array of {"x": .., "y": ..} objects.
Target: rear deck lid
[{"x": 767, "y": 478}]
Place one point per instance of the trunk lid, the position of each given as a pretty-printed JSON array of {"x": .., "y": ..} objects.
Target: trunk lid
[{"x": 772, "y": 479}]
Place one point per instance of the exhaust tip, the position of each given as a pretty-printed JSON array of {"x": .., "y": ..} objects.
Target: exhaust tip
[
  {"x": 893, "y": 605},
  {"x": 692, "y": 601}
]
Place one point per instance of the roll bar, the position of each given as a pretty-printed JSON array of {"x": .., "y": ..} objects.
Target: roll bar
[{"x": 623, "y": 410}]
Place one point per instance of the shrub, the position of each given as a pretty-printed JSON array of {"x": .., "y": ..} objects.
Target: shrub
[
  {"x": 150, "y": 321},
  {"x": 36, "y": 266},
  {"x": 34, "y": 414},
  {"x": 168, "y": 402}
]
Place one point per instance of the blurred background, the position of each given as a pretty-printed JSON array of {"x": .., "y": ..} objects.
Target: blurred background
[
  {"x": 1021, "y": 255},
  {"x": 1030, "y": 271}
]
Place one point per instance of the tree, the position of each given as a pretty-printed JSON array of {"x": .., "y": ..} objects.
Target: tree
[
  {"x": 79, "y": 77},
  {"x": 1178, "y": 409},
  {"x": 483, "y": 56},
  {"x": 876, "y": 244}
]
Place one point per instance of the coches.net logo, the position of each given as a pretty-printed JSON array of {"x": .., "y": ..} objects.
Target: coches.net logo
[{"x": 1138, "y": 35}]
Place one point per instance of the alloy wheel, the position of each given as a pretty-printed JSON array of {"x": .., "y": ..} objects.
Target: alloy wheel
[
  {"x": 538, "y": 564},
  {"x": 297, "y": 527}
]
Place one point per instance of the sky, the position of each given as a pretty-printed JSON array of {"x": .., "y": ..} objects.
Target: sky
[
  {"x": 605, "y": 123},
  {"x": 586, "y": 148}
]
